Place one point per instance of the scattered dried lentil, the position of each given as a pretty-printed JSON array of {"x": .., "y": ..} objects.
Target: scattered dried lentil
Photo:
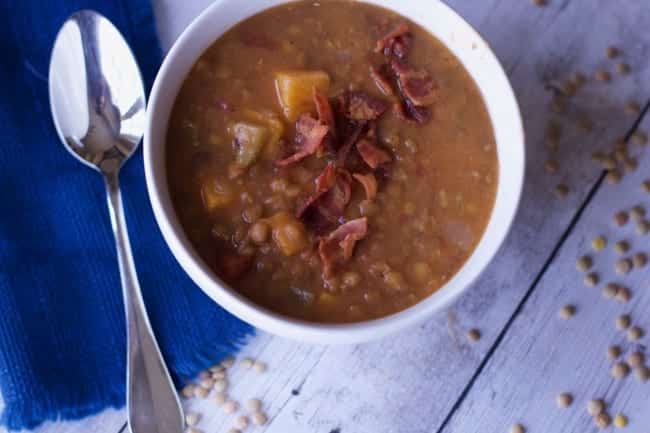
[
  {"x": 259, "y": 367},
  {"x": 634, "y": 333},
  {"x": 254, "y": 405},
  {"x": 591, "y": 279},
  {"x": 623, "y": 321},
  {"x": 259, "y": 418},
  {"x": 551, "y": 166},
  {"x": 623, "y": 68},
  {"x": 624, "y": 295},
  {"x": 613, "y": 176},
  {"x": 200, "y": 392},
  {"x": 230, "y": 406},
  {"x": 569, "y": 88},
  {"x": 620, "y": 420},
  {"x": 218, "y": 375},
  {"x": 247, "y": 363},
  {"x": 192, "y": 418},
  {"x": 217, "y": 368},
  {"x": 623, "y": 266},
  {"x": 221, "y": 385},
  {"x": 220, "y": 398},
  {"x": 539, "y": 2},
  {"x": 637, "y": 213},
  {"x": 602, "y": 75},
  {"x": 645, "y": 186},
  {"x": 620, "y": 370},
  {"x": 241, "y": 422},
  {"x": 635, "y": 359},
  {"x": 622, "y": 247},
  {"x": 611, "y": 52},
  {"x": 632, "y": 107},
  {"x": 561, "y": 190},
  {"x": 613, "y": 352},
  {"x": 579, "y": 78},
  {"x": 585, "y": 125},
  {"x": 517, "y": 428},
  {"x": 630, "y": 164},
  {"x": 228, "y": 362},
  {"x": 188, "y": 391},
  {"x": 643, "y": 373},
  {"x": 564, "y": 400},
  {"x": 621, "y": 218},
  {"x": 639, "y": 260},
  {"x": 206, "y": 383},
  {"x": 603, "y": 420},
  {"x": 234, "y": 430},
  {"x": 599, "y": 243},
  {"x": 567, "y": 312},
  {"x": 595, "y": 407},
  {"x": 642, "y": 227},
  {"x": 558, "y": 105},
  {"x": 473, "y": 335},
  {"x": 610, "y": 290},
  {"x": 584, "y": 263},
  {"x": 640, "y": 138}
]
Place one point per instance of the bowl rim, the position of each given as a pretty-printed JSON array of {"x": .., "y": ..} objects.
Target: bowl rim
[{"x": 315, "y": 332}]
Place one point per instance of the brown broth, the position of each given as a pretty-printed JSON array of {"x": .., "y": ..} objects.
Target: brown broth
[{"x": 429, "y": 214}]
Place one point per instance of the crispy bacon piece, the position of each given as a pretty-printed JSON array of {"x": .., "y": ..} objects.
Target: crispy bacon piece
[
  {"x": 324, "y": 109},
  {"x": 345, "y": 149},
  {"x": 369, "y": 183},
  {"x": 326, "y": 206},
  {"x": 416, "y": 86},
  {"x": 395, "y": 43},
  {"x": 310, "y": 134},
  {"x": 338, "y": 246},
  {"x": 367, "y": 148},
  {"x": 360, "y": 106},
  {"x": 382, "y": 77}
]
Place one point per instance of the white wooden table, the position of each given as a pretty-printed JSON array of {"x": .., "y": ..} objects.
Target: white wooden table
[{"x": 431, "y": 379}]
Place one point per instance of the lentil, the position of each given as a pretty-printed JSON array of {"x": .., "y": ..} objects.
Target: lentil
[
  {"x": 234, "y": 430},
  {"x": 595, "y": 407},
  {"x": 473, "y": 335},
  {"x": 603, "y": 420},
  {"x": 640, "y": 138},
  {"x": 632, "y": 107},
  {"x": 551, "y": 166},
  {"x": 610, "y": 290},
  {"x": 564, "y": 400},
  {"x": 228, "y": 362},
  {"x": 220, "y": 398},
  {"x": 620, "y": 218},
  {"x": 620, "y": 420},
  {"x": 539, "y": 2},
  {"x": 612, "y": 52},
  {"x": 637, "y": 213},
  {"x": 623, "y": 321},
  {"x": 247, "y": 363},
  {"x": 623, "y": 68},
  {"x": 201, "y": 392},
  {"x": 207, "y": 383},
  {"x": 241, "y": 422},
  {"x": 623, "y": 266},
  {"x": 584, "y": 263},
  {"x": 517, "y": 428},
  {"x": 645, "y": 186},
  {"x": 620, "y": 370},
  {"x": 188, "y": 391},
  {"x": 259, "y": 367},
  {"x": 561, "y": 190},
  {"x": 567, "y": 312},
  {"x": 591, "y": 279},
  {"x": 613, "y": 352},
  {"x": 639, "y": 260},
  {"x": 254, "y": 405},
  {"x": 642, "y": 227},
  {"x": 599, "y": 243},
  {"x": 621, "y": 247},
  {"x": 217, "y": 368},
  {"x": 259, "y": 418},
  {"x": 230, "y": 406},
  {"x": 613, "y": 176},
  {"x": 602, "y": 75},
  {"x": 579, "y": 78},
  {"x": 634, "y": 333},
  {"x": 635, "y": 359},
  {"x": 624, "y": 295},
  {"x": 221, "y": 385},
  {"x": 192, "y": 418},
  {"x": 643, "y": 373}
]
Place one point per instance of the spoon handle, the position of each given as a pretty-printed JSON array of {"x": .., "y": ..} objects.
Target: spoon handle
[{"x": 152, "y": 402}]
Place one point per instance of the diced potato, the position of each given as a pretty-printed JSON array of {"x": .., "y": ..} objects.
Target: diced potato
[
  {"x": 216, "y": 195},
  {"x": 250, "y": 139},
  {"x": 275, "y": 126},
  {"x": 288, "y": 233},
  {"x": 295, "y": 91}
]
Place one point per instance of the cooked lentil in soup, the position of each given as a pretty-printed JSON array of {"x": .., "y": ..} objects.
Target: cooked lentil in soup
[{"x": 332, "y": 161}]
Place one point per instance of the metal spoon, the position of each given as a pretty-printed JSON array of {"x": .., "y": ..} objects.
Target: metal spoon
[{"x": 98, "y": 104}]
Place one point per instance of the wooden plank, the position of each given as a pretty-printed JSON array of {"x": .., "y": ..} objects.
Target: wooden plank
[{"x": 542, "y": 355}]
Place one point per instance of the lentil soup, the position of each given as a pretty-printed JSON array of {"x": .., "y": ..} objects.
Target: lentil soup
[{"x": 331, "y": 161}]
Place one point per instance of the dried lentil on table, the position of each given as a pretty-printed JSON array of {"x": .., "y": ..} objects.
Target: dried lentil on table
[
  {"x": 623, "y": 266},
  {"x": 634, "y": 333},
  {"x": 620, "y": 420},
  {"x": 259, "y": 418},
  {"x": 230, "y": 406},
  {"x": 639, "y": 260},
  {"x": 259, "y": 367},
  {"x": 623, "y": 322},
  {"x": 613, "y": 352},
  {"x": 567, "y": 312},
  {"x": 602, "y": 75},
  {"x": 192, "y": 418},
  {"x": 599, "y": 243},
  {"x": 621, "y": 247},
  {"x": 643, "y": 373},
  {"x": 623, "y": 295},
  {"x": 591, "y": 279},
  {"x": 611, "y": 52},
  {"x": 610, "y": 290},
  {"x": 220, "y": 398},
  {"x": 642, "y": 227},
  {"x": 561, "y": 190},
  {"x": 564, "y": 400},
  {"x": 603, "y": 420},
  {"x": 623, "y": 68},
  {"x": 241, "y": 422},
  {"x": 254, "y": 404},
  {"x": 635, "y": 359},
  {"x": 247, "y": 363},
  {"x": 517, "y": 428},
  {"x": 595, "y": 407},
  {"x": 620, "y": 370},
  {"x": 584, "y": 263},
  {"x": 551, "y": 166},
  {"x": 621, "y": 218},
  {"x": 613, "y": 176}
]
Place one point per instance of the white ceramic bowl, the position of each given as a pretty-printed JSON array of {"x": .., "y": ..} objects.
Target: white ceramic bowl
[{"x": 504, "y": 113}]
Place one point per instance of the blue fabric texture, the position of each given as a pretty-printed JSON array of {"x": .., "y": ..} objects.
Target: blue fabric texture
[{"x": 62, "y": 333}]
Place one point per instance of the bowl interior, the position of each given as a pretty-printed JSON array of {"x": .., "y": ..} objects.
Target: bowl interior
[{"x": 502, "y": 108}]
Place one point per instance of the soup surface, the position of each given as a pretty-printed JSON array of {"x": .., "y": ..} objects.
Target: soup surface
[{"x": 332, "y": 161}]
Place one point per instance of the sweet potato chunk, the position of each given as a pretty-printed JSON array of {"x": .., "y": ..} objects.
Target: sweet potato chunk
[
  {"x": 288, "y": 233},
  {"x": 216, "y": 194},
  {"x": 295, "y": 91},
  {"x": 250, "y": 140}
]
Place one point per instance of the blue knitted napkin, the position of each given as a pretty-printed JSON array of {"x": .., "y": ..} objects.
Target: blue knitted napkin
[{"x": 62, "y": 334}]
